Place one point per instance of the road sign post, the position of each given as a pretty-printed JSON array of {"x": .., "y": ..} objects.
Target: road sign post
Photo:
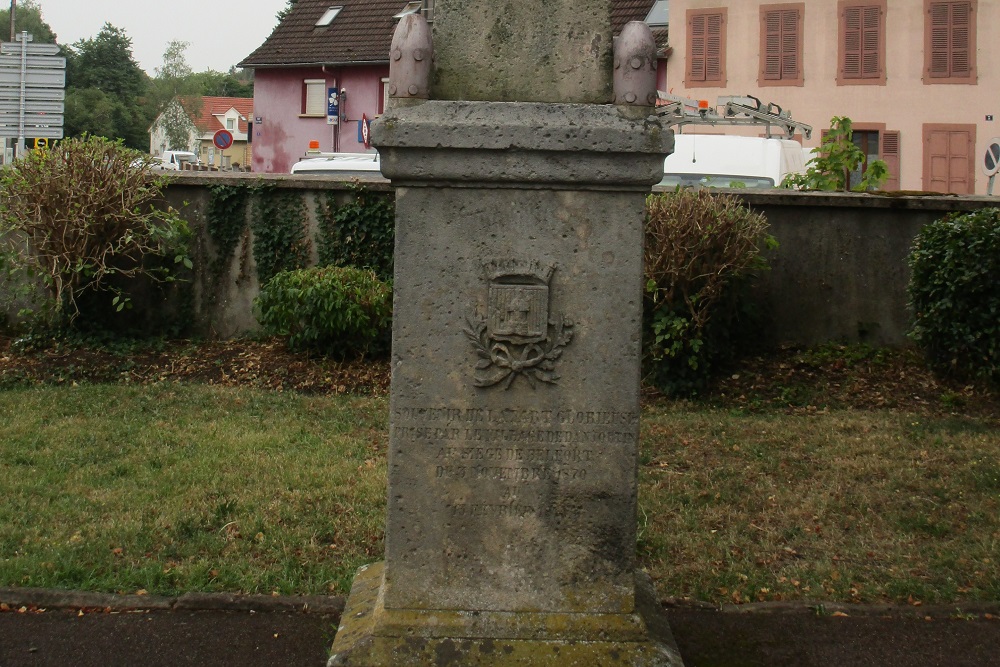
[{"x": 32, "y": 90}]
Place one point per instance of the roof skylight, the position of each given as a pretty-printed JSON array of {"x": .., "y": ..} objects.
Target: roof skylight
[
  {"x": 659, "y": 14},
  {"x": 329, "y": 15},
  {"x": 410, "y": 8}
]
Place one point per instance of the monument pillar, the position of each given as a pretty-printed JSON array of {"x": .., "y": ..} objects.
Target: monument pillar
[{"x": 514, "y": 409}]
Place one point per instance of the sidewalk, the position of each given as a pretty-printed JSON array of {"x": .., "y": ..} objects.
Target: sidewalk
[{"x": 217, "y": 631}]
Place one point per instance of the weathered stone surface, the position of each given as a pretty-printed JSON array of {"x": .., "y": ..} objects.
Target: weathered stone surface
[
  {"x": 365, "y": 640},
  {"x": 514, "y": 411},
  {"x": 523, "y": 51},
  {"x": 520, "y": 145}
]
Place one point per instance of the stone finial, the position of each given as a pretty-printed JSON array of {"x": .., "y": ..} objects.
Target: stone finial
[
  {"x": 410, "y": 59},
  {"x": 635, "y": 66}
]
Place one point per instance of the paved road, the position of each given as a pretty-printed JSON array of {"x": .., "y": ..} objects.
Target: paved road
[{"x": 272, "y": 639}]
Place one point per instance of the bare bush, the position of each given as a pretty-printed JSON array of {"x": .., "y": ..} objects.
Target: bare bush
[{"x": 82, "y": 212}]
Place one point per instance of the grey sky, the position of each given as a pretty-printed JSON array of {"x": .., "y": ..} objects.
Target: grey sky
[{"x": 221, "y": 34}]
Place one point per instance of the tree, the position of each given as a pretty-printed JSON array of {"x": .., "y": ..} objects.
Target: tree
[
  {"x": 105, "y": 62},
  {"x": 28, "y": 16},
  {"x": 284, "y": 12},
  {"x": 104, "y": 89},
  {"x": 837, "y": 158}
]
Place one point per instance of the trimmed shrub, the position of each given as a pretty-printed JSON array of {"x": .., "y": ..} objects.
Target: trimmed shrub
[
  {"x": 955, "y": 294},
  {"x": 339, "y": 310},
  {"x": 701, "y": 252}
]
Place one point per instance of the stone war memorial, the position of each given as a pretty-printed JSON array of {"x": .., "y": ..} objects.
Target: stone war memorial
[{"x": 521, "y": 141}]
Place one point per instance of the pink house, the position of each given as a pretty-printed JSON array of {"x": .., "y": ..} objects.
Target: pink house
[{"x": 323, "y": 71}]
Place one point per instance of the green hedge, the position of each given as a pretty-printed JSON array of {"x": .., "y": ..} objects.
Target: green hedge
[
  {"x": 955, "y": 294},
  {"x": 339, "y": 310}
]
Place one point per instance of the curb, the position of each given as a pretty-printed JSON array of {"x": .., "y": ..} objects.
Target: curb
[
  {"x": 821, "y": 608},
  {"x": 46, "y": 598}
]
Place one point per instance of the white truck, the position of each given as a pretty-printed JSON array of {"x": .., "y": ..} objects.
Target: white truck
[
  {"x": 175, "y": 160},
  {"x": 725, "y": 161}
]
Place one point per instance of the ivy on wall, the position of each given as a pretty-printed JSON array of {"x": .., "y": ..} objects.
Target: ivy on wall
[
  {"x": 280, "y": 241},
  {"x": 360, "y": 233},
  {"x": 277, "y": 220}
]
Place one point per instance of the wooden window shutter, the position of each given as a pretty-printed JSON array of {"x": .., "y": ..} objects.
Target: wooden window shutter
[
  {"x": 772, "y": 46},
  {"x": 851, "y": 50},
  {"x": 871, "y": 41},
  {"x": 890, "y": 155},
  {"x": 862, "y": 42},
  {"x": 713, "y": 47},
  {"x": 950, "y": 40},
  {"x": 781, "y": 44},
  {"x": 961, "y": 29},
  {"x": 696, "y": 40},
  {"x": 706, "y": 52}
]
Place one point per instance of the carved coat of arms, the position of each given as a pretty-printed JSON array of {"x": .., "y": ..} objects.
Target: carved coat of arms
[{"x": 517, "y": 337}]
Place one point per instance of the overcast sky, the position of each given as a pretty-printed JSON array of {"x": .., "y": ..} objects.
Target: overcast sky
[{"x": 221, "y": 33}]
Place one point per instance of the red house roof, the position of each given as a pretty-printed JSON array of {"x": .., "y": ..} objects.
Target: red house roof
[
  {"x": 362, "y": 33},
  {"x": 204, "y": 116}
]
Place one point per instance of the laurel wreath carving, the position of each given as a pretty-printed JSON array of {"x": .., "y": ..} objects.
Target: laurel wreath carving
[{"x": 502, "y": 361}]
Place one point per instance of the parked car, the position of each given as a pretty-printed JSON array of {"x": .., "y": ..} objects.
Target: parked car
[
  {"x": 720, "y": 161},
  {"x": 340, "y": 165},
  {"x": 175, "y": 160}
]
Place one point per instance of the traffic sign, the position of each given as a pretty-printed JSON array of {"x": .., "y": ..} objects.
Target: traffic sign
[
  {"x": 991, "y": 161},
  {"x": 10, "y": 132},
  {"x": 35, "y": 78},
  {"x": 33, "y": 49},
  {"x": 39, "y": 119},
  {"x": 223, "y": 139},
  {"x": 39, "y": 94},
  {"x": 32, "y": 62},
  {"x": 31, "y": 106}
]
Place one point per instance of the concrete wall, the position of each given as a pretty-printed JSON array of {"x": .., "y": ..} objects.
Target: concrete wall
[{"x": 839, "y": 274}]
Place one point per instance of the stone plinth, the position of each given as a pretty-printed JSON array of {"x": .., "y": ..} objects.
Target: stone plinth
[
  {"x": 523, "y": 51},
  {"x": 514, "y": 424}
]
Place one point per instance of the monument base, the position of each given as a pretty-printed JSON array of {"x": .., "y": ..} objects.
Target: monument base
[{"x": 372, "y": 636}]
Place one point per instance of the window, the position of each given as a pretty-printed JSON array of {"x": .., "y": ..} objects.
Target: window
[
  {"x": 862, "y": 43},
  {"x": 383, "y": 95},
  {"x": 781, "y": 45},
  {"x": 410, "y": 8},
  {"x": 950, "y": 42},
  {"x": 706, "y": 48},
  {"x": 876, "y": 143},
  {"x": 314, "y": 97},
  {"x": 659, "y": 15},
  {"x": 230, "y": 124},
  {"x": 328, "y": 16}
]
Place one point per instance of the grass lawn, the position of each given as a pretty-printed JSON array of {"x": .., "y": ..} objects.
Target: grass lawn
[{"x": 177, "y": 487}]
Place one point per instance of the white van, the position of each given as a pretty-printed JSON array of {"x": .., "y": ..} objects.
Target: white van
[
  {"x": 721, "y": 161},
  {"x": 340, "y": 165}
]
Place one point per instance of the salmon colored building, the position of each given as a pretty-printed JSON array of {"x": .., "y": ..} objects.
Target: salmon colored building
[{"x": 919, "y": 78}]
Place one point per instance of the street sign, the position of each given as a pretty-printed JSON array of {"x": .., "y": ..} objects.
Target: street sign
[
  {"x": 991, "y": 161},
  {"x": 35, "y": 78},
  {"x": 39, "y": 94},
  {"x": 34, "y": 119},
  {"x": 223, "y": 139},
  {"x": 32, "y": 62},
  {"x": 14, "y": 48},
  {"x": 31, "y": 106},
  {"x": 10, "y": 132}
]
